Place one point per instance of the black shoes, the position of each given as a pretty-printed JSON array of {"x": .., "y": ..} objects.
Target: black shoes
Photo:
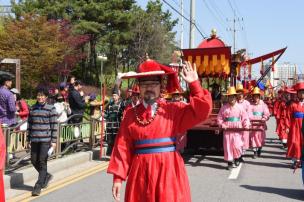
[
  {"x": 230, "y": 166},
  {"x": 48, "y": 178},
  {"x": 259, "y": 151},
  {"x": 37, "y": 190},
  {"x": 255, "y": 154}
]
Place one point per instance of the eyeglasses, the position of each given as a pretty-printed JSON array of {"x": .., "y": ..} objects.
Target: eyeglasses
[{"x": 146, "y": 85}]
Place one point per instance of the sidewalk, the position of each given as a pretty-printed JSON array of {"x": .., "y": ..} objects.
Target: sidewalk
[{"x": 21, "y": 182}]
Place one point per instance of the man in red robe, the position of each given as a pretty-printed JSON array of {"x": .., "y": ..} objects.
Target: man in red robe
[
  {"x": 296, "y": 115},
  {"x": 276, "y": 105},
  {"x": 144, "y": 153},
  {"x": 2, "y": 162}
]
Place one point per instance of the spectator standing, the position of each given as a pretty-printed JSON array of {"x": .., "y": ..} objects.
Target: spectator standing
[
  {"x": 42, "y": 136},
  {"x": 22, "y": 109},
  {"x": 77, "y": 102},
  {"x": 62, "y": 108},
  {"x": 7, "y": 101}
]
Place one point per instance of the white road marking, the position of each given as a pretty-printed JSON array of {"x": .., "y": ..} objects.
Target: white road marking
[{"x": 235, "y": 172}]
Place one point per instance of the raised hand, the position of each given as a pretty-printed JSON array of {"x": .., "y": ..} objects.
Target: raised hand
[{"x": 188, "y": 73}]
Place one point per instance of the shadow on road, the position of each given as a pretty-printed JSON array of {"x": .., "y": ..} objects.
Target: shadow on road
[
  {"x": 202, "y": 161},
  {"x": 274, "y": 165},
  {"x": 296, "y": 194}
]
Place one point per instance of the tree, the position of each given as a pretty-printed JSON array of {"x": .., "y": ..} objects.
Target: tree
[
  {"x": 37, "y": 42},
  {"x": 152, "y": 34}
]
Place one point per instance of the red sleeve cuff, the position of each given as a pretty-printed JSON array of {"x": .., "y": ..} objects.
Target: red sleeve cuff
[
  {"x": 117, "y": 179},
  {"x": 195, "y": 87}
]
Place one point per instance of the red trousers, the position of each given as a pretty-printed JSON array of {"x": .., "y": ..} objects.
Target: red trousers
[{"x": 2, "y": 193}]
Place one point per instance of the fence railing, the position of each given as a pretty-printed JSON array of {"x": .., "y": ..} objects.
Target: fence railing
[{"x": 71, "y": 137}]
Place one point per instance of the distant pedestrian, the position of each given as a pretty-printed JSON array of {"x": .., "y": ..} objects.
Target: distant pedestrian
[
  {"x": 42, "y": 136},
  {"x": 7, "y": 101}
]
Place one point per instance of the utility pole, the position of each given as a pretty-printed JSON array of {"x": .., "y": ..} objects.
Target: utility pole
[
  {"x": 192, "y": 23},
  {"x": 234, "y": 30},
  {"x": 182, "y": 24}
]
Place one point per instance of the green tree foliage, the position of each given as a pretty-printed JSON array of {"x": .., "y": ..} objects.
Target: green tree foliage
[
  {"x": 120, "y": 29},
  {"x": 37, "y": 43}
]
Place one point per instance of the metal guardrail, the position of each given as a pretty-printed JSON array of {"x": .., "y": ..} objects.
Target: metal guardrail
[{"x": 72, "y": 137}]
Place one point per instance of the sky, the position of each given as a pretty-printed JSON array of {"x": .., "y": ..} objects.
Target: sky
[{"x": 267, "y": 25}]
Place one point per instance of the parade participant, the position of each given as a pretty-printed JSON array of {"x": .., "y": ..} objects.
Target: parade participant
[
  {"x": 2, "y": 163},
  {"x": 258, "y": 111},
  {"x": 282, "y": 118},
  {"x": 144, "y": 151},
  {"x": 245, "y": 104},
  {"x": 232, "y": 115},
  {"x": 134, "y": 99},
  {"x": 113, "y": 116},
  {"x": 276, "y": 105},
  {"x": 7, "y": 101},
  {"x": 269, "y": 103},
  {"x": 42, "y": 135},
  {"x": 302, "y": 163},
  {"x": 295, "y": 140}
]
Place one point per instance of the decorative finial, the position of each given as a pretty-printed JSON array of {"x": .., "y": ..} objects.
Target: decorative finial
[{"x": 213, "y": 33}]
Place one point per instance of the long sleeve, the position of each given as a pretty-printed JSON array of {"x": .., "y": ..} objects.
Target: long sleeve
[
  {"x": 266, "y": 113},
  {"x": 245, "y": 118},
  {"x": 122, "y": 154},
  {"x": 221, "y": 118},
  {"x": 198, "y": 110},
  {"x": 53, "y": 125},
  {"x": 11, "y": 103}
]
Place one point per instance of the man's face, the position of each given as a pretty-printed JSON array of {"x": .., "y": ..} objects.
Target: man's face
[
  {"x": 256, "y": 98},
  {"x": 41, "y": 98},
  {"x": 135, "y": 98},
  {"x": 232, "y": 99},
  {"x": 115, "y": 97},
  {"x": 149, "y": 89},
  {"x": 301, "y": 94},
  {"x": 240, "y": 96},
  {"x": 8, "y": 84}
]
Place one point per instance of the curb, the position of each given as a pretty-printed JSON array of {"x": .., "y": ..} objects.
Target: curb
[{"x": 21, "y": 177}]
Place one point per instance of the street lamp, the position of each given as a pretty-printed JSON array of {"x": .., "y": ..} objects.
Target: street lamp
[{"x": 102, "y": 59}]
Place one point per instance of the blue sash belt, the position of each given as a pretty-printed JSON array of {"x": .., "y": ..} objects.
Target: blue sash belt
[
  {"x": 153, "y": 146},
  {"x": 258, "y": 113},
  {"x": 298, "y": 115},
  {"x": 232, "y": 119}
]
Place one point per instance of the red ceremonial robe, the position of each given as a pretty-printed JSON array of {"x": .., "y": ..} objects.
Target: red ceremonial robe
[
  {"x": 2, "y": 162},
  {"x": 282, "y": 116},
  {"x": 295, "y": 139},
  {"x": 276, "y": 105},
  {"x": 157, "y": 176}
]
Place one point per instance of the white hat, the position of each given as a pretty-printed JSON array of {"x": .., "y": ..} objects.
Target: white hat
[{"x": 15, "y": 91}]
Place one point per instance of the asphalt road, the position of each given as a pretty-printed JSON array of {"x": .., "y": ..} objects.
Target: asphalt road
[{"x": 268, "y": 178}]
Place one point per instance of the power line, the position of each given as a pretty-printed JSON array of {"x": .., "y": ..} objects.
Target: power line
[
  {"x": 201, "y": 33},
  {"x": 218, "y": 16}
]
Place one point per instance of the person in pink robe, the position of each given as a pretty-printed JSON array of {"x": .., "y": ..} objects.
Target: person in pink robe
[
  {"x": 245, "y": 104},
  {"x": 2, "y": 163},
  {"x": 258, "y": 111},
  {"x": 144, "y": 152},
  {"x": 232, "y": 115}
]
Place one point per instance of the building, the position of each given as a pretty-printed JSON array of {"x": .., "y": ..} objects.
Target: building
[{"x": 283, "y": 73}]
